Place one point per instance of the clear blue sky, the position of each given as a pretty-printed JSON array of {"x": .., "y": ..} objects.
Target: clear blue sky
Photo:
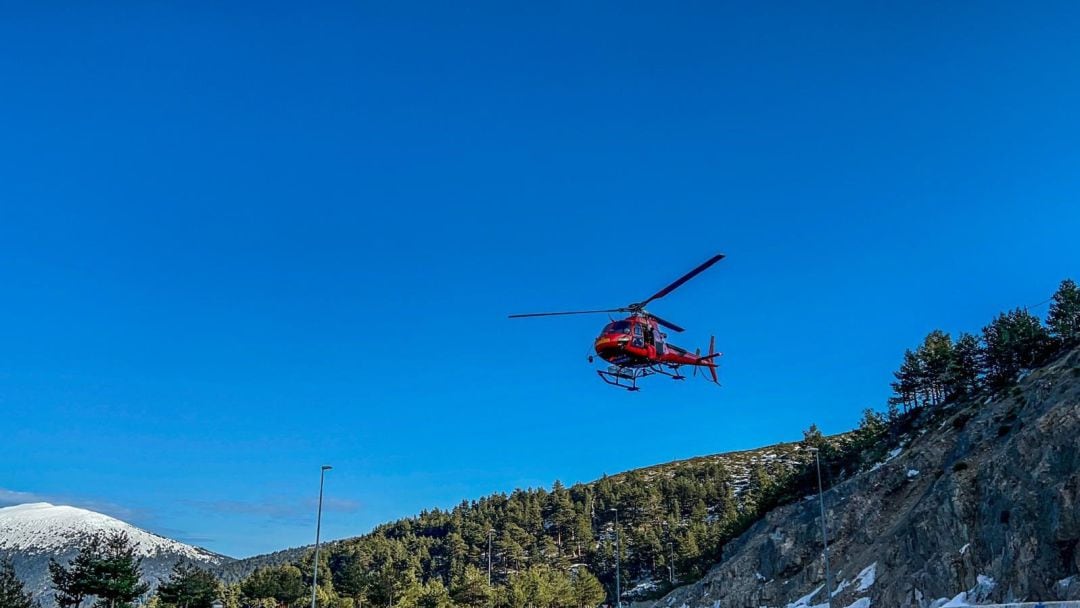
[{"x": 238, "y": 243}]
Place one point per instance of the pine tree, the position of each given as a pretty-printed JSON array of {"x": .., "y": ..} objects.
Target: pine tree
[
  {"x": 909, "y": 382},
  {"x": 282, "y": 584},
  {"x": 231, "y": 595},
  {"x": 538, "y": 587},
  {"x": 934, "y": 355},
  {"x": 563, "y": 515},
  {"x": 871, "y": 427},
  {"x": 963, "y": 376},
  {"x": 1064, "y": 316},
  {"x": 588, "y": 592},
  {"x": 71, "y": 583},
  {"x": 812, "y": 437},
  {"x": 118, "y": 573},
  {"x": 509, "y": 549},
  {"x": 760, "y": 483},
  {"x": 352, "y": 575},
  {"x": 189, "y": 587},
  {"x": 471, "y": 588},
  {"x": 1011, "y": 342},
  {"x": 105, "y": 567},
  {"x": 433, "y": 594},
  {"x": 12, "y": 592}
]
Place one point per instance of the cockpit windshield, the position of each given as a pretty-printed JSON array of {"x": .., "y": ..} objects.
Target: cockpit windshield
[{"x": 618, "y": 327}]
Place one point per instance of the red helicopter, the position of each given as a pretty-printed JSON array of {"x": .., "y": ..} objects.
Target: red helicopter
[{"x": 636, "y": 347}]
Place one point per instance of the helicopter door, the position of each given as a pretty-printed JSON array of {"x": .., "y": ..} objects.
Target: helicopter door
[{"x": 639, "y": 340}]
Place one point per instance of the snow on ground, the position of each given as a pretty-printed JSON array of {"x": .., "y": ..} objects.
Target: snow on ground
[
  {"x": 972, "y": 597},
  {"x": 866, "y": 577},
  {"x": 984, "y": 584},
  {"x": 893, "y": 453},
  {"x": 642, "y": 587},
  {"x": 912, "y": 473},
  {"x": 964, "y": 549},
  {"x": 804, "y": 601},
  {"x": 957, "y": 602}
]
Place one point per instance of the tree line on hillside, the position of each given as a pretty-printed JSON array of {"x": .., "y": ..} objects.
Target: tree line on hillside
[
  {"x": 557, "y": 548},
  {"x": 941, "y": 369}
]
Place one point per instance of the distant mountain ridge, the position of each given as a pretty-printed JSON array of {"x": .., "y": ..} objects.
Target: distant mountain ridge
[{"x": 32, "y": 534}]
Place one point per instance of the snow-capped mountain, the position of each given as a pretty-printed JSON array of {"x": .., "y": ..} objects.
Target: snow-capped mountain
[{"x": 32, "y": 534}]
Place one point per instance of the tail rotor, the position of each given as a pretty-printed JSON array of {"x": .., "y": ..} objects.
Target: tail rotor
[{"x": 709, "y": 360}]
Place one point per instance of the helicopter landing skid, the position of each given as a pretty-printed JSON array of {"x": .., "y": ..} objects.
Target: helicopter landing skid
[
  {"x": 627, "y": 377},
  {"x": 623, "y": 377}
]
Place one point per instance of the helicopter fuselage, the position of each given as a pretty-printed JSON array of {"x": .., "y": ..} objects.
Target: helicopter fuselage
[{"x": 637, "y": 341}]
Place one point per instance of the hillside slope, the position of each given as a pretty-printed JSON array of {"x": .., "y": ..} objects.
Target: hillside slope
[
  {"x": 674, "y": 507},
  {"x": 982, "y": 503},
  {"x": 32, "y": 534}
]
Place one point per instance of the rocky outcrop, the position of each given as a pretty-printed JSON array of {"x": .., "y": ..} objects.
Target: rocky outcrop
[{"x": 981, "y": 504}]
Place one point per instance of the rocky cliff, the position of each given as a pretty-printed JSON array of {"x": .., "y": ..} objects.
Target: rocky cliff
[{"x": 982, "y": 503}]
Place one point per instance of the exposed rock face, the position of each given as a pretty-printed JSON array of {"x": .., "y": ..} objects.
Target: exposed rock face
[{"x": 984, "y": 503}]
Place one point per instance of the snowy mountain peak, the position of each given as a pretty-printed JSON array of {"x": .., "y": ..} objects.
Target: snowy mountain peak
[
  {"x": 31, "y": 534},
  {"x": 41, "y": 527}
]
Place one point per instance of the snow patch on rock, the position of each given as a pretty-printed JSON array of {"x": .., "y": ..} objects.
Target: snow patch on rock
[
  {"x": 804, "y": 601},
  {"x": 866, "y": 577}
]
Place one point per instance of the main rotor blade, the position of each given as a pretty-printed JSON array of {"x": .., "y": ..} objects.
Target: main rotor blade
[
  {"x": 572, "y": 312},
  {"x": 667, "y": 324},
  {"x": 686, "y": 277}
]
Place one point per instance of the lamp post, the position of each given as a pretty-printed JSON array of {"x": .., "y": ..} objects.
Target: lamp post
[
  {"x": 671, "y": 554},
  {"x": 618, "y": 558},
  {"x": 491, "y": 533},
  {"x": 824, "y": 534},
  {"x": 318, "y": 530}
]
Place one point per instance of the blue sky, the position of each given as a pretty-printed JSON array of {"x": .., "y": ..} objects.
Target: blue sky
[{"x": 242, "y": 242}]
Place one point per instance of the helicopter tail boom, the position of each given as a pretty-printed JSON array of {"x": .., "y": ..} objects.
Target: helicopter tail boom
[{"x": 709, "y": 360}]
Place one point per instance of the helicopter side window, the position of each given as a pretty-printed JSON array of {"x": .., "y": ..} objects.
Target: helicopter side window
[
  {"x": 637, "y": 330},
  {"x": 618, "y": 327}
]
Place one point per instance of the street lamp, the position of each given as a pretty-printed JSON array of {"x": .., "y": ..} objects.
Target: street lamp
[
  {"x": 618, "y": 558},
  {"x": 318, "y": 530},
  {"x": 491, "y": 533},
  {"x": 824, "y": 535},
  {"x": 671, "y": 554}
]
